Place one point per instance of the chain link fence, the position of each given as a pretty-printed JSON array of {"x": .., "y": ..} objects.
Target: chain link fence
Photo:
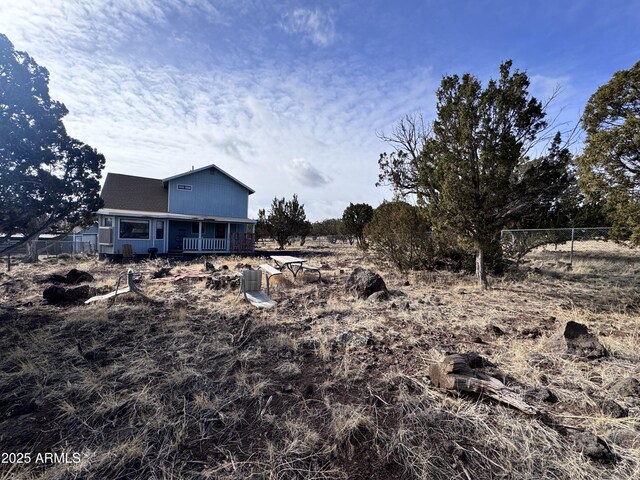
[
  {"x": 47, "y": 248},
  {"x": 561, "y": 243}
]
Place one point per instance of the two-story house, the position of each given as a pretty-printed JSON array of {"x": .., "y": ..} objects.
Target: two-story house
[{"x": 199, "y": 211}]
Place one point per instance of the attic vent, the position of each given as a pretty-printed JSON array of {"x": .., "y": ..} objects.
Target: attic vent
[{"x": 182, "y": 186}]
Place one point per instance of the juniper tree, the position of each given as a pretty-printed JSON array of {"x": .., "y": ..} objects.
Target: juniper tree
[
  {"x": 46, "y": 177},
  {"x": 286, "y": 219},
  {"x": 610, "y": 163},
  {"x": 473, "y": 169},
  {"x": 354, "y": 218}
]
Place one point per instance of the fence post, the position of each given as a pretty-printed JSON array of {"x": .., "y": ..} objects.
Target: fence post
[
  {"x": 571, "y": 254},
  {"x": 8, "y": 262}
]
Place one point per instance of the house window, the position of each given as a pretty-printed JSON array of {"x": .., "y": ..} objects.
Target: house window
[
  {"x": 221, "y": 230},
  {"x": 134, "y": 229},
  {"x": 195, "y": 228},
  {"x": 107, "y": 222},
  {"x": 182, "y": 186},
  {"x": 159, "y": 229}
]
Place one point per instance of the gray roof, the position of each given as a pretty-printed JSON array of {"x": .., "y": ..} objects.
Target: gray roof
[{"x": 126, "y": 192}]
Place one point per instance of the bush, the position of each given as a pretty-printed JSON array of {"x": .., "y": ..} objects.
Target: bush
[
  {"x": 399, "y": 234},
  {"x": 355, "y": 218}
]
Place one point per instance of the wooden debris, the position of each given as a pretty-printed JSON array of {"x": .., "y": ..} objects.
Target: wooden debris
[
  {"x": 184, "y": 276},
  {"x": 131, "y": 287},
  {"x": 454, "y": 373}
]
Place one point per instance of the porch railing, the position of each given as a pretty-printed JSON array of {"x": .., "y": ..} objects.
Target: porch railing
[
  {"x": 214, "y": 244},
  {"x": 208, "y": 244}
]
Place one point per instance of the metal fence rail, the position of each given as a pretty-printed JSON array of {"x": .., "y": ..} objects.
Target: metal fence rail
[
  {"x": 53, "y": 247},
  {"x": 517, "y": 243}
]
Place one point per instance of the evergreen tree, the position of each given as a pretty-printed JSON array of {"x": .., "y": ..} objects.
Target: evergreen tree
[
  {"x": 355, "y": 218},
  {"x": 610, "y": 163},
  {"x": 286, "y": 219},
  {"x": 473, "y": 171},
  {"x": 262, "y": 225},
  {"x": 46, "y": 177}
]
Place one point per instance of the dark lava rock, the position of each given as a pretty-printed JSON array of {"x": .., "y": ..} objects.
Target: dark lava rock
[
  {"x": 627, "y": 387},
  {"x": 541, "y": 395},
  {"x": 496, "y": 330},
  {"x": 531, "y": 332},
  {"x": 364, "y": 283},
  {"x": 594, "y": 447},
  {"x": 378, "y": 296},
  {"x": 613, "y": 409},
  {"x": 55, "y": 294},
  {"x": 162, "y": 272},
  {"x": 74, "y": 277},
  {"x": 224, "y": 281},
  {"x": 583, "y": 343},
  {"x": 79, "y": 293},
  {"x": 55, "y": 278}
]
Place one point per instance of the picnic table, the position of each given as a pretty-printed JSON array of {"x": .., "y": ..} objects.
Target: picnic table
[{"x": 293, "y": 264}]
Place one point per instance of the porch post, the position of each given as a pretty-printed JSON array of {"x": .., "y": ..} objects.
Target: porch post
[
  {"x": 228, "y": 235},
  {"x": 200, "y": 236}
]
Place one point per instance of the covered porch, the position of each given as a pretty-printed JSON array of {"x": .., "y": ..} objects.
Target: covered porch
[{"x": 207, "y": 236}]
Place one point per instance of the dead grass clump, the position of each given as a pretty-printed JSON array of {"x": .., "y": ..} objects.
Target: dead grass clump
[{"x": 350, "y": 425}]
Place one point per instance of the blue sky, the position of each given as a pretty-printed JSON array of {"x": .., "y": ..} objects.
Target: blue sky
[{"x": 288, "y": 96}]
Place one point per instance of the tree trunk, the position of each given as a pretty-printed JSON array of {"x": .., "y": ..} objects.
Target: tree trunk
[
  {"x": 481, "y": 272},
  {"x": 32, "y": 251}
]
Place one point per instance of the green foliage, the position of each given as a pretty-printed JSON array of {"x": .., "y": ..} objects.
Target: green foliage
[
  {"x": 46, "y": 177},
  {"x": 287, "y": 219},
  {"x": 610, "y": 163},
  {"x": 331, "y": 228},
  {"x": 399, "y": 233},
  {"x": 262, "y": 226},
  {"x": 354, "y": 219},
  {"x": 328, "y": 227},
  {"x": 472, "y": 170},
  {"x": 304, "y": 231}
]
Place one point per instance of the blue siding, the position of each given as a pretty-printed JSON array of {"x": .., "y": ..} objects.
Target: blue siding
[
  {"x": 139, "y": 247},
  {"x": 212, "y": 193}
]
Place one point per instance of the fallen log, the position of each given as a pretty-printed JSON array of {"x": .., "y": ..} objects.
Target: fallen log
[{"x": 454, "y": 373}]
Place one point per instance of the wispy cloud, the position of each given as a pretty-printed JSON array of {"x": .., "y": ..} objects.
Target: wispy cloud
[
  {"x": 316, "y": 25},
  {"x": 302, "y": 171}
]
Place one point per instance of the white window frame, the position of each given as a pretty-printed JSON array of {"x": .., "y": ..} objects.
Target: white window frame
[
  {"x": 134, "y": 220},
  {"x": 164, "y": 229}
]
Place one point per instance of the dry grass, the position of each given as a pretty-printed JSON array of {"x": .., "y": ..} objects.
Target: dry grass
[{"x": 324, "y": 386}]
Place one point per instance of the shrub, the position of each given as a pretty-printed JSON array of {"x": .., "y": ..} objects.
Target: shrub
[
  {"x": 399, "y": 234},
  {"x": 355, "y": 218}
]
